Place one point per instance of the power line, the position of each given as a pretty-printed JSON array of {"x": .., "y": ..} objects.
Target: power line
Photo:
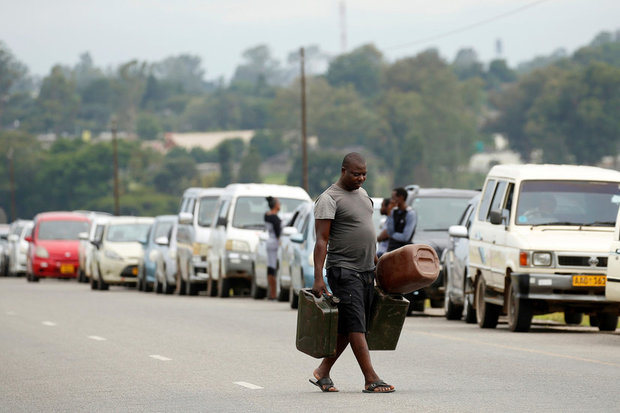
[{"x": 467, "y": 27}]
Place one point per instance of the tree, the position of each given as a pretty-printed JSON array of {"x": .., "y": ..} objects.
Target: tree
[
  {"x": 185, "y": 70},
  {"x": 466, "y": 64},
  {"x": 250, "y": 167},
  {"x": 499, "y": 73},
  {"x": 129, "y": 87},
  {"x": 361, "y": 68},
  {"x": 148, "y": 127},
  {"x": 225, "y": 154},
  {"x": 259, "y": 66},
  {"x": 57, "y": 104},
  {"x": 323, "y": 168}
]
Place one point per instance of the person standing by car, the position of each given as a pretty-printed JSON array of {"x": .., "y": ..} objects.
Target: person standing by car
[
  {"x": 345, "y": 234},
  {"x": 401, "y": 222},
  {"x": 383, "y": 238},
  {"x": 273, "y": 224}
]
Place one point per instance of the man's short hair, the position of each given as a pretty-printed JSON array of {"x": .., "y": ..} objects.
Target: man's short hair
[
  {"x": 400, "y": 191},
  {"x": 386, "y": 201},
  {"x": 351, "y": 158}
]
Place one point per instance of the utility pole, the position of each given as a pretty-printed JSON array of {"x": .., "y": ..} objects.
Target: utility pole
[
  {"x": 116, "y": 196},
  {"x": 9, "y": 155},
  {"x": 304, "y": 138}
]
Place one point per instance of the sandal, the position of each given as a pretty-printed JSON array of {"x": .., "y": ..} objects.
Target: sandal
[
  {"x": 325, "y": 384},
  {"x": 372, "y": 388}
]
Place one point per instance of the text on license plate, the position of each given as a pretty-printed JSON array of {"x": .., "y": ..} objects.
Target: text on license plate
[
  {"x": 589, "y": 280},
  {"x": 67, "y": 268}
]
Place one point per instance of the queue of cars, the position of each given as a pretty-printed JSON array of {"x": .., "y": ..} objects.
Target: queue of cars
[{"x": 535, "y": 240}]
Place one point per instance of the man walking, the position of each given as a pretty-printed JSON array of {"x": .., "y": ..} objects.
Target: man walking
[
  {"x": 401, "y": 221},
  {"x": 345, "y": 234}
]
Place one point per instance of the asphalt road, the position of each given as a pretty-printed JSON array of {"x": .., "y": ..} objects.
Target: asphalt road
[{"x": 66, "y": 348}]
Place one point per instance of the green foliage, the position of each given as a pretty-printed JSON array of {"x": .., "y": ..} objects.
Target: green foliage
[
  {"x": 267, "y": 143},
  {"x": 361, "y": 68},
  {"x": 323, "y": 168},
  {"x": 250, "y": 167},
  {"x": 148, "y": 127}
]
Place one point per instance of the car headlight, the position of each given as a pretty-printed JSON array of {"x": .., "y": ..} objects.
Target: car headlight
[
  {"x": 41, "y": 252},
  {"x": 237, "y": 245},
  {"x": 541, "y": 259},
  {"x": 113, "y": 255}
]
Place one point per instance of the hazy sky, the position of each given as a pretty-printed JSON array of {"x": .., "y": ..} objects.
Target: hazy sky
[{"x": 42, "y": 33}]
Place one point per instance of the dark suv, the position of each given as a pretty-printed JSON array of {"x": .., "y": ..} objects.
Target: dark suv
[{"x": 437, "y": 209}]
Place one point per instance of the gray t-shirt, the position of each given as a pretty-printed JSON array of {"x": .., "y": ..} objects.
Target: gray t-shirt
[{"x": 352, "y": 235}]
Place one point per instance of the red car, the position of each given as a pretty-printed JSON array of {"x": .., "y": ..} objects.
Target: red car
[{"x": 53, "y": 250}]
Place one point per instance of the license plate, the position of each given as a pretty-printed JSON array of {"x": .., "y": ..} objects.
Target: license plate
[
  {"x": 589, "y": 280},
  {"x": 67, "y": 269}
]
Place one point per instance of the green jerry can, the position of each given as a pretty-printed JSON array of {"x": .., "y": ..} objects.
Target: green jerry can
[
  {"x": 317, "y": 324},
  {"x": 387, "y": 317}
]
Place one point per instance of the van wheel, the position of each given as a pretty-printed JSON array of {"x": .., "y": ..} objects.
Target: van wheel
[
  {"x": 223, "y": 287},
  {"x": 469, "y": 312},
  {"x": 211, "y": 286},
  {"x": 519, "y": 311},
  {"x": 607, "y": 321},
  {"x": 293, "y": 298},
  {"x": 94, "y": 285},
  {"x": 255, "y": 291},
  {"x": 486, "y": 314},
  {"x": 573, "y": 317}
]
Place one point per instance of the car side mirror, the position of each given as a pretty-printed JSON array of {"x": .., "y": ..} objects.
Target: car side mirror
[
  {"x": 185, "y": 218},
  {"x": 297, "y": 237},
  {"x": 221, "y": 222},
  {"x": 458, "y": 231},
  {"x": 495, "y": 217},
  {"x": 162, "y": 240},
  {"x": 28, "y": 238},
  {"x": 288, "y": 231}
]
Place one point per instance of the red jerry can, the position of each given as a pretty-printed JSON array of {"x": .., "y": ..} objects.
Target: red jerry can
[{"x": 407, "y": 269}]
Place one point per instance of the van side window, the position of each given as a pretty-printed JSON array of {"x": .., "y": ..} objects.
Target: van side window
[
  {"x": 485, "y": 202},
  {"x": 509, "y": 194},
  {"x": 223, "y": 209},
  {"x": 498, "y": 197}
]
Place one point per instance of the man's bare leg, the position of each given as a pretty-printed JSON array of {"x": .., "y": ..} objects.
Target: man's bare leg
[
  {"x": 360, "y": 349},
  {"x": 327, "y": 363}
]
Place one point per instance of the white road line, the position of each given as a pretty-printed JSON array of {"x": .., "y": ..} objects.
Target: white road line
[
  {"x": 158, "y": 357},
  {"x": 248, "y": 385},
  {"x": 97, "y": 338},
  {"x": 48, "y": 323}
]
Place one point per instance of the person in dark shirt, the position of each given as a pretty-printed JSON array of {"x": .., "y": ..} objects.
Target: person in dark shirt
[
  {"x": 273, "y": 225},
  {"x": 401, "y": 222}
]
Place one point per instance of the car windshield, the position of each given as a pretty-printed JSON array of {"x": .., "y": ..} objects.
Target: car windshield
[
  {"x": 207, "y": 210},
  {"x": 581, "y": 203},
  {"x": 250, "y": 211},
  {"x": 438, "y": 213},
  {"x": 127, "y": 232},
  {"x": 162, "y": 229},
  {"x": 61, "y": 230}
]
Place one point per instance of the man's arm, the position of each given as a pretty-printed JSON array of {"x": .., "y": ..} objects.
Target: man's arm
[
  {"x": 322, "y": 227},
  {"x": 407, "y": 233}
]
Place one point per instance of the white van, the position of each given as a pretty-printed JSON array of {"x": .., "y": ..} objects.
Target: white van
[
  {"x": 539, "y": 244},
  {"x": 612, "y": 289},
  {"x": 236, "y": 230},
  {"x": 196, "y": 214}
]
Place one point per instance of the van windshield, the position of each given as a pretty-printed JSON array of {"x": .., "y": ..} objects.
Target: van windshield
[
  {"x": 250, "y": 211},
  {"x": 207, "y": 210},
  {"x": 61, "y": 230},
  {"x": 579, "y": 203}
]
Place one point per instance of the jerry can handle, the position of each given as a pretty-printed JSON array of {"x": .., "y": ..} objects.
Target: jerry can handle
[{"x": 330, "y": 298}]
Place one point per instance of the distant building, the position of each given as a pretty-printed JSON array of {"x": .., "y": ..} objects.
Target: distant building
[{"x": 205, "y": 140}]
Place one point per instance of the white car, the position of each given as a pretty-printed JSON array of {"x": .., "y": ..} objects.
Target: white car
[
  {"x": 17, "y": 246},
  {"x": 236, "y": 230},
  {"x": 119, "y": 250},
  {"x": 87, "y": 247}
]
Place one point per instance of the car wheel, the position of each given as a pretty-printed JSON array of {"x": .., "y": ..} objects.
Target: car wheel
[
  {"x": 180, "y": 284},
  {"x": 607, "y": 321},
  {"x": 594, "y": 320},
  {"x": 293, "y": 298},
  {"x": 415, "y": 305},
  {"x": 94, "y": 285},
  {"x": 103, "y": 286},
  {"x": 211, "y": 286},
  {"x": 156, "y": 285},
  {"x": 281, "y": 293},
  {"x": 166, "y": 287},
  {"x": 255, "y": 291},
  {"x": 469, "y": 312},
  {"x": 572, "y": 317},
  {"x": 223, "y": 287},
  {"x": 453, "y": 311},
  {"x": 487, "y": 314},
  {"x": 519, "y": 311}
]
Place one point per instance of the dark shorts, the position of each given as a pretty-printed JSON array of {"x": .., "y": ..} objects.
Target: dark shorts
[{"x": 355, "y": 291}]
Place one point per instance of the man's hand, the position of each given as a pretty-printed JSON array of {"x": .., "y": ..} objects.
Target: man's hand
[{"x": 319, "y": 288}]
